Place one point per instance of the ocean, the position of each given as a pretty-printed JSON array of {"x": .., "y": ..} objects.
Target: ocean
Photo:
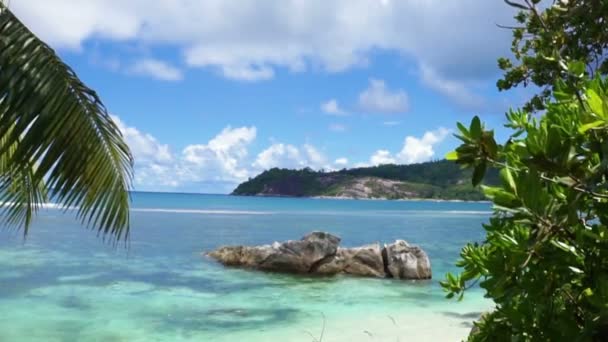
[{"x": 64, "y": 283}]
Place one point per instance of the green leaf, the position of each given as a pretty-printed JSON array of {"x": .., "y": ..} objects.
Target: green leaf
[
  {"x": 500, "y": 197},
  {"x": 596, "y": 103},
  {"x": 490, "y": 144},
  {"x": 478, "y": 173},
  {"x": 591, "y": 125},
  {"x": 475, "y": 128},
  {"x": 576, "y": 270},
  {"x": 463, "y": 129},
  {"x": 507, "y": 179},
  {"x": 577, "y": 68},
  {"x": 562, "y": 96},
  {"x": 453, "y": 155},
  {"x": 553, "y": 144},
  {"x": 564, "y": 247},
  {"x": 509, "y": 240}
]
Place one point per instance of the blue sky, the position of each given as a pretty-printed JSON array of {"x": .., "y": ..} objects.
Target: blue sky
[{"x": 211, "y": 92}]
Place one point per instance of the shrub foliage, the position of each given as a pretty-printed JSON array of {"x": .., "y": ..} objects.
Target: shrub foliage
[{"x": 544, "y": 261}]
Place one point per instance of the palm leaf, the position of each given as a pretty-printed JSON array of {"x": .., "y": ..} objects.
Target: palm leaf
[
  {"x": 56, "y": 134},
  {"x": 20, "y": 193}
]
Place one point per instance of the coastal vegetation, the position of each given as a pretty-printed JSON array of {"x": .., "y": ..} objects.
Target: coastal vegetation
[
  {"x": 57, "y": 140},
  {"x": 544, "y": 261},
  {"x": 432, "y": 180}
]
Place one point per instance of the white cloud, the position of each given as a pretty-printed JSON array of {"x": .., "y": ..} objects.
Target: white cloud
[
  {"x": 459, "y": 92},
  {"x": 218, "y": 165},
  {"x": 222, "y": 161},
  {"x": 144, "y": 147},
  {"x": 278, "y": 155},
  {"x": 378, "y": 98},
  {"x": 332, "y": 107},
  {"x": 315, "y": 157},
  {"x": 381, "y": 157},
  {"x": 336, "y": 127},
  {"x": 222, "y": 157},
  {"x": 289, "y": 156},
  {"x": 66, "y": 23},
  {"x": 457, "y": 38},
  {"x": 341, "y": 162},
  {"x": 414, "y": 150},
  {"x": 153, "y": 160},
  {"x": 157, "y": 69}
]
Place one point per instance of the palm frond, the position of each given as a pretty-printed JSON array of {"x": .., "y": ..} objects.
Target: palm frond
[
  {"x": 57, "y": 132},
  {"x": 20, "y": 193}
]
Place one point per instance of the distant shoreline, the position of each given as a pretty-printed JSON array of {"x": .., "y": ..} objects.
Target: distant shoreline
[
  {"x": 411, "y": 199},
  {"x": 347, "y": 198}
]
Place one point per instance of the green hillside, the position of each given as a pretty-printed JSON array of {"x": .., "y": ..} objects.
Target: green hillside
[{"x": 434, "y": 180}]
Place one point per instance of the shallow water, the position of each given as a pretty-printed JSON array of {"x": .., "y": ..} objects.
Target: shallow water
[{"x": 65, "y": 284}]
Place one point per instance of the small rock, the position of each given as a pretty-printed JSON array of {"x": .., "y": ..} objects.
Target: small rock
[{"x": 406, "y": 262}]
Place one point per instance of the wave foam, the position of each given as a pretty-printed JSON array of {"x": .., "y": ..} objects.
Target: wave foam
[
  {"x": 58, "y": 206},
  {"x": 469, "y": 212},
  {"x": 201, "y": 211}
]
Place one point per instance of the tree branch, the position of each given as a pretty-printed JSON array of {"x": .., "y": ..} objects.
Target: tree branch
[
  {"x": 509, "y": 27},
  {"x": 516, "y": 5}
]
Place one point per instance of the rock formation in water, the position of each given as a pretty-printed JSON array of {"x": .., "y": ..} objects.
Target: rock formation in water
[{"x": 319, "y": 253}]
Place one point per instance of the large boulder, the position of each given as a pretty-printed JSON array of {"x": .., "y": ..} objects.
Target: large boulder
[
  {"x": 365, "y": 261},
  {"x": 318, "y": 253},
  {"x": 299, "y": 256},
  {"x": 294, "y": 256},
  {"x": 404, "y": 261}
]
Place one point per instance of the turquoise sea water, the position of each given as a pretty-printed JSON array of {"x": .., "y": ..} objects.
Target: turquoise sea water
[{"x": 65, "y": 284}]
